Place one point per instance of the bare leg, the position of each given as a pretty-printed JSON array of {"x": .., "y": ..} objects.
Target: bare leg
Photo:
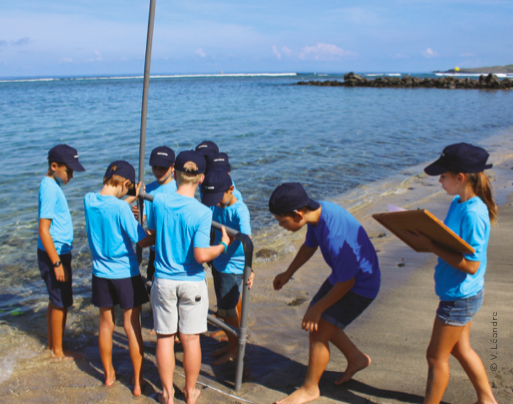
[
  {"x": 318, "y": 360},
  {"x": 230, "y": 354},
  {"x": 49, "y": 325},
  {"x": 443, "y": 340},
  {"x": 191, "y": 365},
  {"x": 132, "y": 324},
  {"x": 107, "y": 323},
  {"x": 166, "y": 364},
  {"x": 473, "y": 366},
  {"x": 58, "y": 316},
  {"x": 356, "y": 359}
]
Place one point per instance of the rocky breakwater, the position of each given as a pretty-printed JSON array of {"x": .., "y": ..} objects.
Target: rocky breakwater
[{"x": 354, "y": 80}]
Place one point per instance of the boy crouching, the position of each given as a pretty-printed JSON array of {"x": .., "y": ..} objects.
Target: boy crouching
[
  {"x": 179, "y": 295},
  {"x": 111, "y": 229}
]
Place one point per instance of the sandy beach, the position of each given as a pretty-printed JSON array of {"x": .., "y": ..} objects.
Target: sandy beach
[{"x": 394, "y": 331}]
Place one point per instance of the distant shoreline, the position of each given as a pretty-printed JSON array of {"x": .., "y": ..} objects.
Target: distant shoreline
[{"x": 484, "y": 70}]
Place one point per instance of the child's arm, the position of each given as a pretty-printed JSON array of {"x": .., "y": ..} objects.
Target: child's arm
[
  {"x": 302, "y": 256},
  {"x": 203, "y": 255},
  {"x": 454, "y": 259},
  {"x": 148, "y": 240},
  {"x": 44, "y": 232},
  {"x": 313, "y": 314},
  {"x": 132, "y": 199}
]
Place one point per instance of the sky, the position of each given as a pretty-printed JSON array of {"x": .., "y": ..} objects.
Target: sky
[{"x": 108, "y": 37}]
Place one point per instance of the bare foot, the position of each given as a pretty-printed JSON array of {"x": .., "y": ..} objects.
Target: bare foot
[
  {"x": 66, "y": 356},
  {"x": 220, "y": 351},
  {"x": 352, "y": 368},
  {"x": 167, "y": 400},
  {"x": 109, "y": 381},
  {"x": 192, "y": 397},
  {"x": 229, "y": 357},
  {"x": 139, "y": 387},
  {"x": 300, "y": 396},
  {"x": 220, "y": 335}
]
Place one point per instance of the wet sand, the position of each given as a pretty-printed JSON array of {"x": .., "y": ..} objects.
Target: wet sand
[{"x": 394, "y": 331}]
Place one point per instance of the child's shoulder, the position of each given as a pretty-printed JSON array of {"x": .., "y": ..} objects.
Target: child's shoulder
[{"x": 152, "y": 187}]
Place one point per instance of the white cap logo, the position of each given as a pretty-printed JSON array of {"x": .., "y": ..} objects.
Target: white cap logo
[
  {"x": 218, "y": 160},
  {"x": 162, "y": 154},
  {"x": 210, "y": 187}
]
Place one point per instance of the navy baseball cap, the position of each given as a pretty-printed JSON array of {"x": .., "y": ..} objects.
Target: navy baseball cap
[
  {"x": 460, "y": 158},
  {"x": 215, "y": 184},
  {"x": 63, "y": 153},
  {"x": 207, "y": 147},
  {"x": 122, "y": 168},
  {"x": 218, "y": 161},
  {"x": 289, "y": 197},
  {"x": 195, "y": 157},
  {"x": 162, "y": 156}
]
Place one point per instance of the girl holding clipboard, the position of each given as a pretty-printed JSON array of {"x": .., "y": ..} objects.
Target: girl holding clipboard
[{"x": 459, "y": 278}]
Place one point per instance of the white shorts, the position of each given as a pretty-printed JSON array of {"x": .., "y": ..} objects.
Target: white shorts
[{"x": 181, "y": 304}]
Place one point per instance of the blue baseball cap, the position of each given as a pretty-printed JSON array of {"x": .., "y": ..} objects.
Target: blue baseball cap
[
  {"x": 207, "y": 147},
  {"x": 62, "y": 153},
  {"x": 218, "y": 161},
  {"x": 122, "y": 168},
  {"x": 162, "y": 156},
  {"x": 195, "y": 157},
  {"x": 289, "y": 197},
  {"x": 215, "y": 184},
  {"x": 460, "y": 158}
]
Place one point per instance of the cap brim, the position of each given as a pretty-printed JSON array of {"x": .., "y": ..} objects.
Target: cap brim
[
  {"x": 75, "y": 165},
  {"x": 435, "y": 168},
  {"x": 212, "y": 199}
]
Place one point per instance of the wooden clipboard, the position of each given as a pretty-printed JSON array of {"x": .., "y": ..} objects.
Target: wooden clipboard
[{"x": 425, "y": 222}]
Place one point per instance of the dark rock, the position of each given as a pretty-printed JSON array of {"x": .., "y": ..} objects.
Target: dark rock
[
  {"x": 267, "y": 254},
  {"x": 298, "y": 301}
]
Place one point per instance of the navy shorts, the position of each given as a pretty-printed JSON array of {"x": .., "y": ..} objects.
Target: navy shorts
[
  {"x": 60, "y": 293},
  {"x": 127, "y": 292},
  {"x": 227, "y": 287},
  {"x": 459, "y": 312},
  {"x": 344, "y": 311}
]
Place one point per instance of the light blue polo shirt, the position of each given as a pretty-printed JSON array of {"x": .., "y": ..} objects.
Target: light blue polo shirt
[
  {"x": 181, "y": 224},
  {"x": 52, "y": 204},
  {"x": 237, "y": 217},
  {"x": 471, "y": 222},
  {"x": 347, "y": 249},
  {"x": 111, "y": 229},
  {"x": 153, "y": 189}
]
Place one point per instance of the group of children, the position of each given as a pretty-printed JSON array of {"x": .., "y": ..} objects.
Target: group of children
[{"x": 179, "y": 233}]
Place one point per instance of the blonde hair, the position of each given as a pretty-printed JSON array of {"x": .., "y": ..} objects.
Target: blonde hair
[
  {"x": 483, "y": 188},
  {"x": 116, "y": 180},
  {"x": 183, "y": 177}
]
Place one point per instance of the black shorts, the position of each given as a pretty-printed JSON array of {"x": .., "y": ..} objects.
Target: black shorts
[
  {"x": 60, "y": 293},
  {"x": 127, "y": 292}
]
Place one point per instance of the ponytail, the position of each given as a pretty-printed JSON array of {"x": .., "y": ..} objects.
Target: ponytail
[{"x": 483, "y": 188}]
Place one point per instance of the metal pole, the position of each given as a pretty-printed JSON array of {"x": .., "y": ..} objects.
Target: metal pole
[{"x": 144, "y": 112}]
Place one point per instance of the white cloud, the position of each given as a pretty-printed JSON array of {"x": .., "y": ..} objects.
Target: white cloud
[
  {"x": 65, "y": 60},
  {"x": 286, "y": 51},
  {"x": 200, "y": 53},
  {"x": 429, "y": 53},
  {"x": 324, "y": 51},
  {"x": 276, "y": 53}
]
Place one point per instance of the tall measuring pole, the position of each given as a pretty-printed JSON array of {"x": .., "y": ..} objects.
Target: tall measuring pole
[{"x": 144, "y": 112}]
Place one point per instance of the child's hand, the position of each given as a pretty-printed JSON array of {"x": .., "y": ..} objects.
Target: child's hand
[
  {"x": 137, "y": 189},
  {"x": 225, "y": 238},
  {"x": 61, "y": 274},
  {"x": 311, "y": 319},
  {"x": 135, "y": 211},
  {"x": 420, "y": 239},
  {"x": 251, "y": 279},
  {"x": 281, "y": 280}
]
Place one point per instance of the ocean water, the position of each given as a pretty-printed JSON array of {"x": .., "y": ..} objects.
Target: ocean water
[{"x": 335, "y": 141}]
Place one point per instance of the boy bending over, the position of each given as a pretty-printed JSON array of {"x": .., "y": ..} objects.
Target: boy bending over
[
  {"x": 353, "y": 284},
  {"x": 179, "y": 295}
]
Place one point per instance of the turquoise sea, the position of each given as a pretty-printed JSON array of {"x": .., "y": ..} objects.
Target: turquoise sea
[{"x": 333, "y": 140}]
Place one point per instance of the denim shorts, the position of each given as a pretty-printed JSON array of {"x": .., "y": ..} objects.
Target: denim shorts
[
  {"x": 344, "y": 311},
  {"x": 227, "y": 287},
  {"x": 459, "y": 312}
]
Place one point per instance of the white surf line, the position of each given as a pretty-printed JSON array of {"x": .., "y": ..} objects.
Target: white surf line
[{"x": 222, "y": 392}]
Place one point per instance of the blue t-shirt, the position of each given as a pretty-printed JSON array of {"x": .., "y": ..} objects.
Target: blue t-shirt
[
  {"x": 181, "y": 224},
  {"x": 471, "y": 222},
  {"x": 111, "y": 229},
  {"x": 53, "y": 205},
  {"x": 235, "y": 216},
  {"x": 347, "y": 249},
  {"x": 153, "y": 189}
]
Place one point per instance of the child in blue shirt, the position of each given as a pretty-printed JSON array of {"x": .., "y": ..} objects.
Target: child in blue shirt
[
  {"x": 54, "y": 243},
  {"x": 459, "y": 278},
  {"x": 111, "y": 230},
  {"x": 179, "y": 295},
  {"x": 228, "y": 268},
  {"x": 353, "y": 284}
]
